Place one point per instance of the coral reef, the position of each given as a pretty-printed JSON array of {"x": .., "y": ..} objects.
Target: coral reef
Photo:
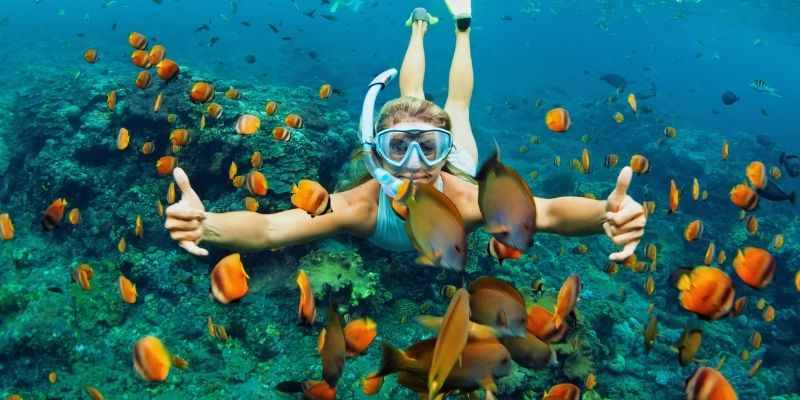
[{"x": 339, "y": 271}]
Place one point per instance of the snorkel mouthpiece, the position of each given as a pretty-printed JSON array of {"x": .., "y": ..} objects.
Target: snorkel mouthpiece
[{"x": 388, "y": 182}]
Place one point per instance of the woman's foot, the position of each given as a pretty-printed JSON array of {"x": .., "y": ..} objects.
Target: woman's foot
[{"x": 421, "y": 14}]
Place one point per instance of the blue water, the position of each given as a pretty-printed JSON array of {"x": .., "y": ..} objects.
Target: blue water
[{"x": 690, "y": 52}]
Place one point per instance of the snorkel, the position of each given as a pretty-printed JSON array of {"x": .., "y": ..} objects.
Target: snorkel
[{"x": 388, "y": 182}]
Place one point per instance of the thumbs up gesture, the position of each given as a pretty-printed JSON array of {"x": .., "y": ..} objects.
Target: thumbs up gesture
[
  {"x": 625, "y": 219},
  {"x": 185, "y": 218}
]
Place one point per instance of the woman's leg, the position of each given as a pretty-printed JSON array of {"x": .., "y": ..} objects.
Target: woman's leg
[
  {"x": 459, "y": 95},
  {"x": 412, "y": 71}
]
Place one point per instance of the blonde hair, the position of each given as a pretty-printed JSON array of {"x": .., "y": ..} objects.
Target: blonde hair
[{"x": 402, "y": 109}]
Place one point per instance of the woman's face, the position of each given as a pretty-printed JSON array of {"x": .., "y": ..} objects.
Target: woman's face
[{"x": 415, "y": 169}]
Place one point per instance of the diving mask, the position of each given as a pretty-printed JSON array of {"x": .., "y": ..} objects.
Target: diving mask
[{"x": 425, "y": 143}]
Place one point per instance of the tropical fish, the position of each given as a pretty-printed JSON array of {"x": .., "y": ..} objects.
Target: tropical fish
[
  {"x": 294, "y": 121},
  {"x": 640, "y": 164},
  {"x": 618, "y": 117},
  {"x": 157, "y": 54},
  {"x": 760, "y": 85},
  {"x": 495, "y": 303},
  {"x": 256, "y": 183},
  {"x": 614, "y": 80},
  {"x": 333, "y": 347},
  {"x": 706, "y": 291},
  {"x": 792, "y": 164},
  {"x": 540, "y": 323},
  {"x": 167, "y": 70},
  {"x": 744, "y": 197},
  {"x": 725, "y": 150},
  {"x": 565, "y": 391},
  {"x": 127, "y": 290},
  {"x": 141, "y": 59},
  {"x": 143, "y": 80},
  {"x": 201, "y": 92},
  {"x": 306, "y": 311},
  {"x": 325, "y": 91},
  {"x": 502, "y": 252},
  {"x": 111, "y": 100},
  {"x": 450, "y": 342},
  {"x": 137, "y": 40},
  {"x": 567, "y": 298},
  {"x": 529, "y": 351},
  {"x": 708, "y": 384},
  {"x": 159, "y": 100},
  {"x": 229, "y": 279},
  {"x": 281, "y": 133},
  {"x": 674, "y": 197},
  {"x": 772, "y": 191},
  {"x": 358, "y": 335},
  {"x": 311, "y": 197},
  {"x": 650, "y": 334},
  {"x": 632, "y": 102},
  {"x": 434, "y": 225},
  {"x": 6, "y": 227},
  {"x": 248, "y": 124},
  {"x": 687, "y": 345},
  {"x": 53, "y": 215},
  {"x": 506, "y": 203},
  {"x": 757, "y": 174},
  {"x": 729, "y": 98},
  {"x": 271, "y": 108},
  {"x": 693, "y": 230},
  {"x": 82, "y": 274},
  {"x": 233, "y": 93},
  {"x": 151, "y": 359},
  {"x": 90, "y": 56},
  {"x": 610, "y": 161},
  {"x": 180, "y": 137},
  {"x": 754, "y": 266},
  {"x": 166, "y": 164},
  {"x": 557, "y": 120}
]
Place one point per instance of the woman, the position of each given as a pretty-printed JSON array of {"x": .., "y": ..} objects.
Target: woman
[{"x": 418, "y": 140}]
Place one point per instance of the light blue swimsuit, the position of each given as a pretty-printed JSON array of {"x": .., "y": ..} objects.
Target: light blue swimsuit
[{"x": 390, "y": 231}]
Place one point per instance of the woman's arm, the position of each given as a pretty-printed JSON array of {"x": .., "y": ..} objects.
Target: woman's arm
[
  {"x": 249, "y": 231},
  {"x": 570, "y": 216}
]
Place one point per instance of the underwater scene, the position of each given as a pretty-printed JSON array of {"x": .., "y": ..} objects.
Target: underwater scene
[{"x": 204, "y": 199}]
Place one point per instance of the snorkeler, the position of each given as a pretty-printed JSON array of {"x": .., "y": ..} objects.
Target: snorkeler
[{"x": 412, "y": 139}]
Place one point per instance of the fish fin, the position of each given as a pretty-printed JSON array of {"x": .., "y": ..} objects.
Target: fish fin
[
  {"x": 423, "y": 259},
  {"x": 684, "y": 282},
  {"x": 393, "y": 360},
  {"x": 504, "y": 228},
  {"x": 558, "y": 320},
  {"x": 431, "y": 322},
  {"x": 482, "y": 332}
]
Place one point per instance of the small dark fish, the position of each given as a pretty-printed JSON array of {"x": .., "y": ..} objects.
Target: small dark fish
[
  {"x": 330, "y": 17},
  {"x": 764, "y": 112},
  {"x": 201, "y": 28},
  {"x": 234, "y": 7},
  {"x": 792, "y": 164},
  {"x": 765, "y": 140},
  {"x": 310, "y": 14},
  {"x": 274, "y": 29},
  {"x": 714, "y": 111},
  {"x": 5, "y": 21},
  {"x": 507, "y": 18},
  {"x": 339, "y": 92},
  {"x": 650, "y": 334},
  {"x": 247, "y": 24},
  {"x": 286, "y": 38},
  {"x": 213, "y": 40},
  {"x": 114, "y": 26},
  {"x": 80, "y": 34},
  {"x": 729, "y": 98},
  {"x": 56, "y": 289},
  {"x": 312, "y": 54},
  {"x": 326, "y": 1},
  {"x": 698, "y": 55},
  {"x": 773, "y": 192},
  {"x": 250, "y": 59}
]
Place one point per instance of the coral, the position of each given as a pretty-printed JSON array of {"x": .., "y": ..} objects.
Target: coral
[
  {"x": 617, "y": 364},
  {"x": 337, "y": 271},
  {"x": 580, "y": 363},
  {"x": 404, "y": 310}
]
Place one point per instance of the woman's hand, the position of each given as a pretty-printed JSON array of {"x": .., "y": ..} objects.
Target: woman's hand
[
  {"x": 185, "y": 218},
  {"x": 625, "y": 219}
]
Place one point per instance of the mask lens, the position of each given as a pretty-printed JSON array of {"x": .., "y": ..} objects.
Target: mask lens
[{"x": 432, "y": 145}]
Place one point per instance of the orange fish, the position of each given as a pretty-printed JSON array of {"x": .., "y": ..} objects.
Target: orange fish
[
  {"x": 94, "y": 393},
  {"x": 563, "y": 391},
  {"x": 754, "y": 266},
  {"x": 721, "y": 257},
  {"x": 257, "y": 183},
  {"x": 725, "y": 150},
  {"x": 233, "y": 94},
  {"x": 166, "y": 164},
  {"x": 171, "y": 193},
  {"x": 111, "y": 100},
  {"x": 649, "y": 285},
  {"x": 143, "y": 80},
  {"x": 739, "y": 306},
  {"x": 610, "y": 161},
  {"x": 333, "y": 347},
  {"x": 557, "y": 120},
  {"x": 311, "y": 197},
  {"x": 255, "y": 159},
  {"x": 358, "y": 335},
  {"x": 137, "y": 226},
  {"x": 777, "y": 242},
  {"x": 693, "y": 230},
  {"x": 311, "y": 390},
  {"x": 248, "y": 124},
  {"x": 167, "y": 70},
  {"x": 757, "y": 174},
  {"x": 157, "y": 54},
  {"x": 238, "y": 181},
  {"x": 325, "y": 91},
  {"x": 674, "y": 197},
  {"x": 640, "y": 164},
  {"x": 775, "y": 172},
  {"x": 148, "y": 147},
  {"x": 744, "y": 197},
  {"x": 127, "y": 290},
  {"x": 53, "y": 215},
  {"x": 271, "y": 108},
  {"x": 751, "y": 224},
  {"x": 232, "y": 170},
  {"x": 567, "y": 297},
  {"x": 141, "y": 59},
  {"x": 51, "y": 377},
  {"x": 229, "y": 279},
  {"x": 250, "y": 204},
  {"x": 695, "y": 189},
  {"x": 670, "y": 131},
  {"x": 371, "y": 384},
  {"x": 307, "y": 311},
  {"x": 294, "y": 121},
  {"x": 123, "y": 139},
  {"x": 180, "y": 137},
  {"x": 797, "y": 281},
  {"x": 281, "y": 133},
  {"x": 709, "y": 254},
  {"x": 590, "y": 381},
  {"x": 502, "y": 252},
  {"x": 159, "y": 100},
  {"x": 6, "y": 227},
  {"x": 708, "y": 384},
  {"x": 586, "y": 166},
  {"x": 151, "y": 359},
  {"x": 214, "y": 110},
  {"x": 74, "y": 216},
  {"x": 707, "y": 292},
  {"x": 754, "y": 368},
  {"x": 121, "y": 245},
  {"x": 762, "y": 302},
  {"x": 159, "y": 208},
  {"x": 137, "y": 40},
  {"x": 450, "y": 342},
  {"x": 90, "y": 56},
  {"x": 618, "y": 117},
  {"x": 769, "y": 314},
  {"x": 82, "y": 274},
  {"x": 201, "y": 92}
]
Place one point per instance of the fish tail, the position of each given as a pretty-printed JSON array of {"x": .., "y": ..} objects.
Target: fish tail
[
  {"x": 290, "y": 387},
  {"x": 391, "y": 361},
  {"x": 558, "y": 320}
]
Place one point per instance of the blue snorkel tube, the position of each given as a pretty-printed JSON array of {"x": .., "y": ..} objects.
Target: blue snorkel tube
[{"x": 389, "y": 183}]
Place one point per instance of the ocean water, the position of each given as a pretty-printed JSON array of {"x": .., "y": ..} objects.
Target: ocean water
[{"x": 57, "y": 140}]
